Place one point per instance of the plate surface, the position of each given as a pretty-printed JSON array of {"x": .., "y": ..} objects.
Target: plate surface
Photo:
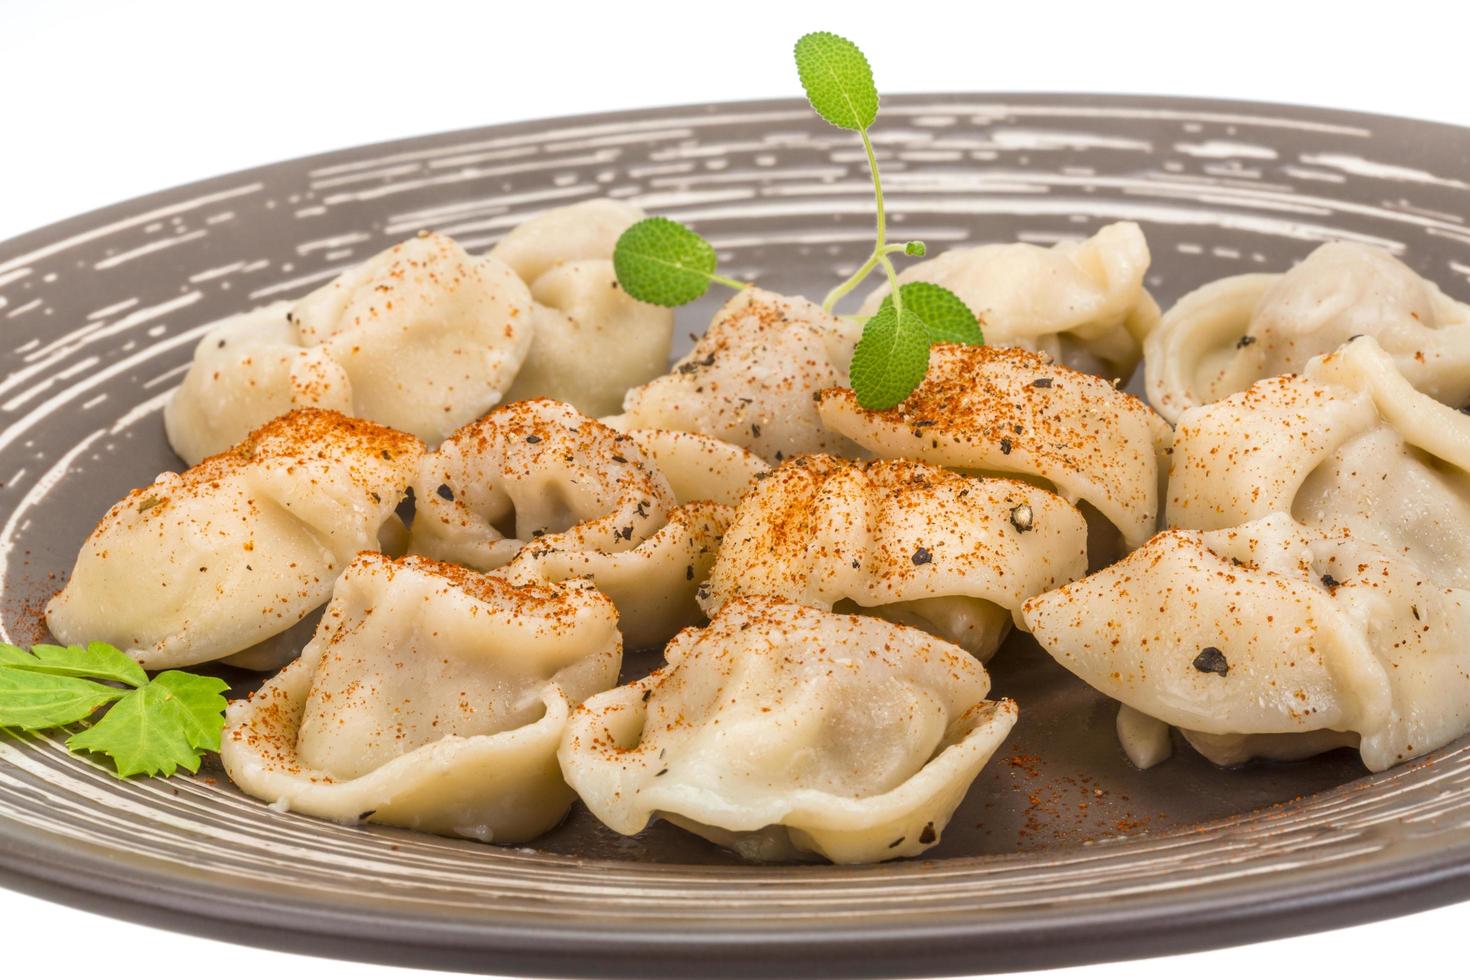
[{"x": 1061, "y": 853}]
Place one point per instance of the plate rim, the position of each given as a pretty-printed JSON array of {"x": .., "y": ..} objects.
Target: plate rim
[
  {"x": 1132, "y": 100},
  {"x": 41, "y": 864},
  {"x": 989, "y": 944}
]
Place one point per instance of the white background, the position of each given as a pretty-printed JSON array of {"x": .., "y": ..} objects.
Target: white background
[{"x": 106, "y": 100}]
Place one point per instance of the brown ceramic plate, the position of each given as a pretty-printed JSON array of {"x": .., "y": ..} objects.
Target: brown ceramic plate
[{"x": 1061, "y": 853}]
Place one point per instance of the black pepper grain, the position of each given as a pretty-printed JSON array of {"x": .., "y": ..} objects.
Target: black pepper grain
[{"x": 1211, "y": 660}]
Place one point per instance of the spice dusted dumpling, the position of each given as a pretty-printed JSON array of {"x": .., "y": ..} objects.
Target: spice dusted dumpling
[
  {"x": 699, "y": 467},
  {"x": 223, "y": 558},
  {"x": 780, "y": 729},
  {"x": 431, "y": 697},
  {"x": 950, "y": 554},
  {"x": 654, "y": 583},
  {"x": 751, "y": 380},
  {"x": 1271, "y": 640},
  {"x": 1083, "y": 303},
  {"x": 553, "y": 493},
  {"x": 247, "y": 370},
  {"x": 1009, "y": 412},
  {"x": 534, "y": 470},
  {"x": 1225, "y": 336},
  {"x": 592, "y": 341},
  {"x": 1348, "y": 445},
  {"x": 423, "y": 337}
]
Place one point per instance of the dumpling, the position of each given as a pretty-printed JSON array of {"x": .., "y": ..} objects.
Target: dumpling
[
  {"x": 1008, "y": 412},
  {"x": 913, "y": 543},
  {"x": 751, "y": 380},
  {"x": 592, "y": 341},
  {"x": 422, "y": 337},
  {"x": 1225, "y": 336},
  {"x": 535, "y": 470},
  {"x": 653, "y": 584},
  {"x": 1271, "y": 640},
  {"x": 431, "y": 697},
  {"x": 1083, "y": 303},
  {"x": 780, "y": 730},
  {"x": 225, "y": 557},
  {"x": 247, "y": 370},
  {"x": 1348, "y": 445},
  {"x": 585, "y": 230},
  {"x": 699, "y": 467},
  {"x": 430, "y": 335},
  {"x": 543, "y": 489}
]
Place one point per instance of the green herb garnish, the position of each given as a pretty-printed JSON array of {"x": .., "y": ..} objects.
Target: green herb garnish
[
  {"x": 153, "y": 726},
  {"x": 893, "y": 355},
  {"x": 838, "y": 80},
  {"x": 661, "y": 261}
]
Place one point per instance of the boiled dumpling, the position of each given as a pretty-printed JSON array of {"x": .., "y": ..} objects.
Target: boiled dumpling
[
  {"x": 751, "y": 379},
  {"x": 781, "y": 729},
  {"x": 953, "y": 555},
  {"x": 224, "y": 557},
  {"x": 535, "y": 470},
  {"x": 1083, "y": 303},
  {"x": 1225, "y": 336},
  {"x": 585, "y": 230},
  {"x": 1005, "y": 411},
  {"x": 430, "y": 335},
  {"x": 699, "y": 467},
  {"x": 431, "y": 697},
  {"x": 1348, "y": 445},
  {"x": 592, "y": 341},
  {"x": 247, "y": 370},
  {"x": 1273, "y": 640},
  {"x": 423, "y": 337},
  {"x": 653, "y": 584},
  {"x": 543, "y": 489}
]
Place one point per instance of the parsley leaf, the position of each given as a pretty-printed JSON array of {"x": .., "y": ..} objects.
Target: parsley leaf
[
  {"x": 838, "y": 80},
  {"x": 892, "y": 356},
  {"x": 155, "y": 728},
  {"x": 659, "y": 261},
  {"x": 32, "y": 700},
  {"x": 201, "y": 704},
  {"x": 159, "y": 728},
  {"x": 99, "y": 660}
]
